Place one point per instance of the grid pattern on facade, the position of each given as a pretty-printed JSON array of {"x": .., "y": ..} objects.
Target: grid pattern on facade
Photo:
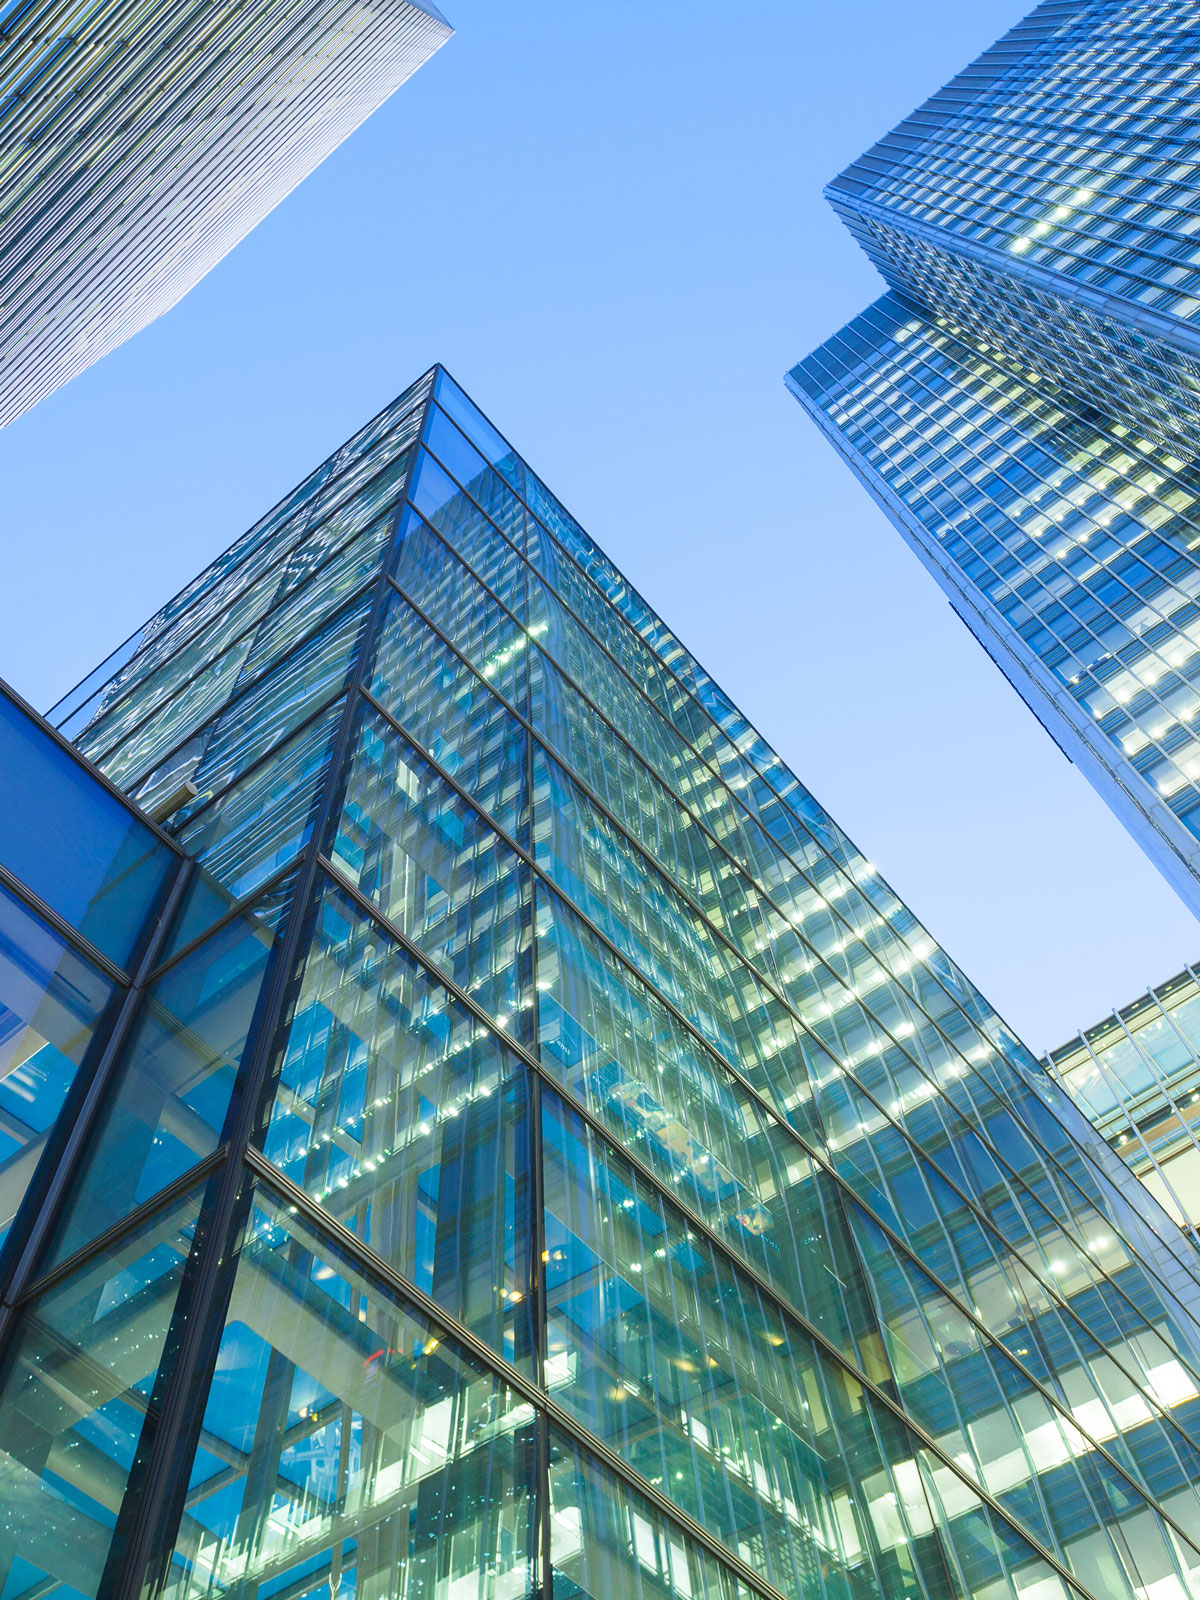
[
  {"x": 1137, "y": 1076},
  {"x": 139, "y": 142},
  {"x": 1051, "y": 194},
  {"x": 545, "y": 1154},
  {"x": 1079, "y": 536}
]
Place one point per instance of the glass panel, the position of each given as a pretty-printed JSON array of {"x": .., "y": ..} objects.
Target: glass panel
[
  {"x": 348, "y": 1447},
  {"x": 465, "y": 529},
  {"x": 72, "y": 843},
  {"x": 407, "y": 1120},
  {"x": 434, "y": 868},
  {"x": 682, "y": 1366},
  {"x": 637, "y": 1069},
  {"x": 436, "y": 581},
  {"x": 176, "y": 1076},
  {"x": 607, "y": 1541},
  {"x": 266, "y": 713},
  {"x": 51, "y": 1001},
  {"x": 259, "y": 824},
  {"x": 82, "y": 1366},
  {"x": 454, "y": 716}
]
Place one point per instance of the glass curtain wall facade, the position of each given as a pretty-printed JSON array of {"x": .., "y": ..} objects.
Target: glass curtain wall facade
[
  {"x": 82, "y": 880},
  {"x": 1022, "y": 402},
  {"x": 1137, "y": 1076},
  {"x": 139, "y": 143},
  {"x": 1047, "y": 199},
  {"x": 542, "y": 1156}
]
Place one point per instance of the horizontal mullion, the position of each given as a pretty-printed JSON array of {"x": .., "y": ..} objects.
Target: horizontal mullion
[
  {"x": 65, "y": 930},
  {"x": 969, "y": 1068},
  {"x": 102, "y": 1242},
  {"x": 351, "y": 1245},
  {"x": 769, "y": 1111},
  {"x": 357, "y": 1249},
  {"x": 239, "y": 908}
]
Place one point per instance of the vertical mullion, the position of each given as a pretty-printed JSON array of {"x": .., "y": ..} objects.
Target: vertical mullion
[
  {"x": 158, "y": 1483},
  {"x": 75, "y": 1126},
  {"x": 537, "y": 1184}
]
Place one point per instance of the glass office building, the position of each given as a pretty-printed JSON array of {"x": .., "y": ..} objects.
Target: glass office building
[
  {"x": 1136, "y": 1074},
  {"x": 539, "y": 1155},
  {"x": 139, "y": 143},
  {"x": 1022, "y": 402},
  {"x": 1047, "y": 200}
]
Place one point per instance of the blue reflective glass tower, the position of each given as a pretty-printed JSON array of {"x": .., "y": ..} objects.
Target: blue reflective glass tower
[
  {"x": 1023, "y": 401},
  {"x": 538, "y": 1154}
]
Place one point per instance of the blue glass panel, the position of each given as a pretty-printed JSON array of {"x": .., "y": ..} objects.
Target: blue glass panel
[
  {"x": 73, "y": 1400},
  {"x": 407, "y": 1121},
  {"x": 434, "y": 868},
  {"x": 176, "y": 1075},
  {"x": 51, "y": 1001},
  {"x": 72, "y": 842}
]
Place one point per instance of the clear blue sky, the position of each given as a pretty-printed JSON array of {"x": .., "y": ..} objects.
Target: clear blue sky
[{"x": 606, "y": 219}]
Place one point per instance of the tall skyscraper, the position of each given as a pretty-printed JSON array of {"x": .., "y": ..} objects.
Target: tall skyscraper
[
  {"x": 139, "y": 143},
  {"x": 1136, "y": 1074},
  {"x": 539, "y": 1155},
  {"x": 1023, "y": 401}
]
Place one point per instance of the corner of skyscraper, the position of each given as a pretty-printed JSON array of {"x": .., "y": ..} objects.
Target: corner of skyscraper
[{"x": 1022, "y": 403}]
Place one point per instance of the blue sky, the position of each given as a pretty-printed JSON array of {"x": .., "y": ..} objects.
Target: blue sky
[{"x": 606, "y": 219}]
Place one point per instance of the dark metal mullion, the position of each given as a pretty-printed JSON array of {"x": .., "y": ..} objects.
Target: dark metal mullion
[
  {"x": 354, "y": 1247},
  {"x": 987, "y": 1225},
  {"x": 537, "y": 1185},
  {"x": 71, "y": 1137},
  {"x": 181, "y": 1391},
  {"x": 845, "y": 1194},
  {"x": 417, "y": 1301},
  {"x": 968, "y": 1065}
]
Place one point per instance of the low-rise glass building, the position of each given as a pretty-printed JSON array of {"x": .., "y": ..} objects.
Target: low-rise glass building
[{"x": 1136, "y": 1074}]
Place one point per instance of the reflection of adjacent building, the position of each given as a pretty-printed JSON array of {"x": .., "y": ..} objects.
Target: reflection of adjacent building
[
  {"x": 540, "y": 1156},
  {"x": 1137, "y": 1076}
]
